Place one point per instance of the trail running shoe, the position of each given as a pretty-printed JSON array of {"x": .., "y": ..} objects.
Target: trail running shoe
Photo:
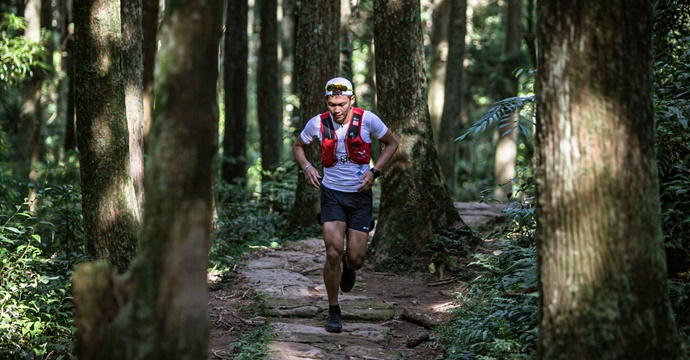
[
  {"x": 347, "y": 277},
  {"x": 333, "y": 324}
]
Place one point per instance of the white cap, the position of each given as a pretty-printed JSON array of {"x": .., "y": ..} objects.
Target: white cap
[{"x": 340, "y": 81}]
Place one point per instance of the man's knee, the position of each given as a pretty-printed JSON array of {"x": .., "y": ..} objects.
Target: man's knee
[
  {"x": 333, "y": 254},
  {"x": 355, "y": 261}
]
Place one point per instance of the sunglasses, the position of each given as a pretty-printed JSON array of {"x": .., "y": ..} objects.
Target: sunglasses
[{"x": 337, "y": 88}]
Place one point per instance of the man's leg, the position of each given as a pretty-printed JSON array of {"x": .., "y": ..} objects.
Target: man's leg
[
  {"x": 356, "y": 249},
  {"x": 334, "y": 240}
]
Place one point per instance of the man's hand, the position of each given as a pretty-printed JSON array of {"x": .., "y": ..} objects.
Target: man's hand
[
  {"x": 367, "y": 181},
  {"x": 313, "y": 177}
]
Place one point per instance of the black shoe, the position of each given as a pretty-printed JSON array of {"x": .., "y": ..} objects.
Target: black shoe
[
  {"x": 347, "y": 277},
  {"x": 333, "y": 324}
]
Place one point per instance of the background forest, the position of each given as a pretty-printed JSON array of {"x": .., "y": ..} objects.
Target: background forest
[{"x": 479, "y": 77}]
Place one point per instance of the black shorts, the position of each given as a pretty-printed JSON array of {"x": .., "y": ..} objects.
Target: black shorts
[{"x": 355, "y": 209}]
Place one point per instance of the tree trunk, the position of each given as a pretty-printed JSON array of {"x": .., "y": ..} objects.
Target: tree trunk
[
  {"x": 268, "y": 87},
  {"x": 287, "y": 45},
  {"x": 454, "y": 93},
  {"x": 27, "y": 141},
  {"x": 149, "y": 14},
  {"x": 234, "y": 168},
  {"x": 601, "y": 258},
  {"x": 438, "y": 64},
  {"x": 111, "y": 220},
  {"x": 414, "y": 199},
  {"x": 162, "y": 311},
  {"x": 317, "y": 29},
  {"x": 132, "y": 66},
  {"x": 70, "y": 118},
  {"x": 506, "y": 149},
  {"x": 345, "y": 40}
]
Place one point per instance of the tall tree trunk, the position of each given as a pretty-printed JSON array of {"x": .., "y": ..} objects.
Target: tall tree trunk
[
  {"x": 132, "y": 66},
  {"x": 454, "y": 93},
  {"x": 111, "y": 220},
  {"x": 166, "y": 311},
  {"x": 506, "y": 148},
  {"x": 345, "y": 40},
  {"x": 234, "y": 168},
  {"x": 268, "y": 87},
  {"x": 317, "y": 29},
  {"x": 149, "y": 15},
  {"x": 601, "y": 257},
  {"x": 287, "y": 44},
  {"x": 414, "y": 199},
  {"x": 67, "y": 35},
  {"x": 438, "y": 64},
  {"x": 27, "y": 141}
]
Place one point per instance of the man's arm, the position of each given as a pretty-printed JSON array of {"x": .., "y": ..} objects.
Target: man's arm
[
  {"x": 310, "y": 173},
  {"x": 390, "y": 146}
]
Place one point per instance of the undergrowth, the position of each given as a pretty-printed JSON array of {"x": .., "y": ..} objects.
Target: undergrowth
[{"x": 36, "y": 262}]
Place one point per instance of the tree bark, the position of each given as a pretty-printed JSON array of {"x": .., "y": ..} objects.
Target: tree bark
[
  {"x": 111, "y": 220},
  {"x": 438, "y": 65},
  {"x": 132, "y": 66},
  {"x": 27, "y": 140},
  {"x": 454, "y": 93},
  {"x": 234, "y": 168},
  {"x": 149, "y": 14},
  {"x": 317, "y": 29},
  {"x": 345, "y": 40},
  {"x": 601, "y": 257},
  {"x": 268, "y": 87},
  {"x": 414, "y": 200},
  {"x": 160, "y": 310},
  {"x": 506, "y": 149}
]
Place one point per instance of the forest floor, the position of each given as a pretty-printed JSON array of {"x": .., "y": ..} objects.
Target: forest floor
[{"x": 386, "y": 316}]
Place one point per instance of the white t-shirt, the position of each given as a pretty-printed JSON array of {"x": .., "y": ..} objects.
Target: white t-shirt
[{"x": 344, "y": 176}]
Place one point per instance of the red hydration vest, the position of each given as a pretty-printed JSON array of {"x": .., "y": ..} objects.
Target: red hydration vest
[{"x": 358, "y": 151}]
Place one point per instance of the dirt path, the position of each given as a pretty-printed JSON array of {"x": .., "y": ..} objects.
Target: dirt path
[{"x": 385, "y": 316}]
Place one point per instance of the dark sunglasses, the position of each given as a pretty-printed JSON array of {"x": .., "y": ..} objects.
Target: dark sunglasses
[{"x": 337, "y": 87}]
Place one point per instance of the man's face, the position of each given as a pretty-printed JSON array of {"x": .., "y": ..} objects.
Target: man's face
[{"x": 339, "y": 106}]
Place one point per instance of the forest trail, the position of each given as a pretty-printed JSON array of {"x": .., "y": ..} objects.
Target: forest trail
[{"x": 385, "y": 316}]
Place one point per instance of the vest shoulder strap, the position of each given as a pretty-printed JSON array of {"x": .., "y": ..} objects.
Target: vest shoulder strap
[
  {"x": 327, "y": 130},
  {"x": 355, "y": 124}
]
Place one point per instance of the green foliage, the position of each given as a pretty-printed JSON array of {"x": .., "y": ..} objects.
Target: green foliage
[
  {"x": 253, "y": 345},
  {"x": 500, "y": 113},
  {"x": 498, "y": 316},
  {"x": 18, "y": 56},
  {"x": 36, "y": 312},
  {"x": 253, "y": 219},
  {"x": 521, "y": 210},
  {"x": 672, "y": 109}
]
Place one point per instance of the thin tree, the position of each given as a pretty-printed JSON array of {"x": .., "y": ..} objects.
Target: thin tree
[
  {"x": 451, "y": 118},
  {"x": 160, "y": 310},
  {"x": 236, "y": 51},
  {"x": 111, "y": 218},
  {"x": 149, "y": 15},
  {"x": 317, "y": 29},
  {"x": 132, "y": 67},
  {"x": 345, "y": 39},
  {"x": 505, "y": 156},
  {"x": 27, "y": 140},
  {"x": 601, "y": 257},
  {"x": 438, "y": 63},
  {"x": 414, "y": 200},
  {"x": 268, "y": 90}
]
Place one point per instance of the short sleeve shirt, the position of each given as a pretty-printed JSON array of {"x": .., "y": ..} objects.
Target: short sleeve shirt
[{"x": 345, "y": 175}]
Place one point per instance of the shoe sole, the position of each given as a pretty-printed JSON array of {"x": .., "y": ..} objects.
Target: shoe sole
[{"x": 335, "y": 330}]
